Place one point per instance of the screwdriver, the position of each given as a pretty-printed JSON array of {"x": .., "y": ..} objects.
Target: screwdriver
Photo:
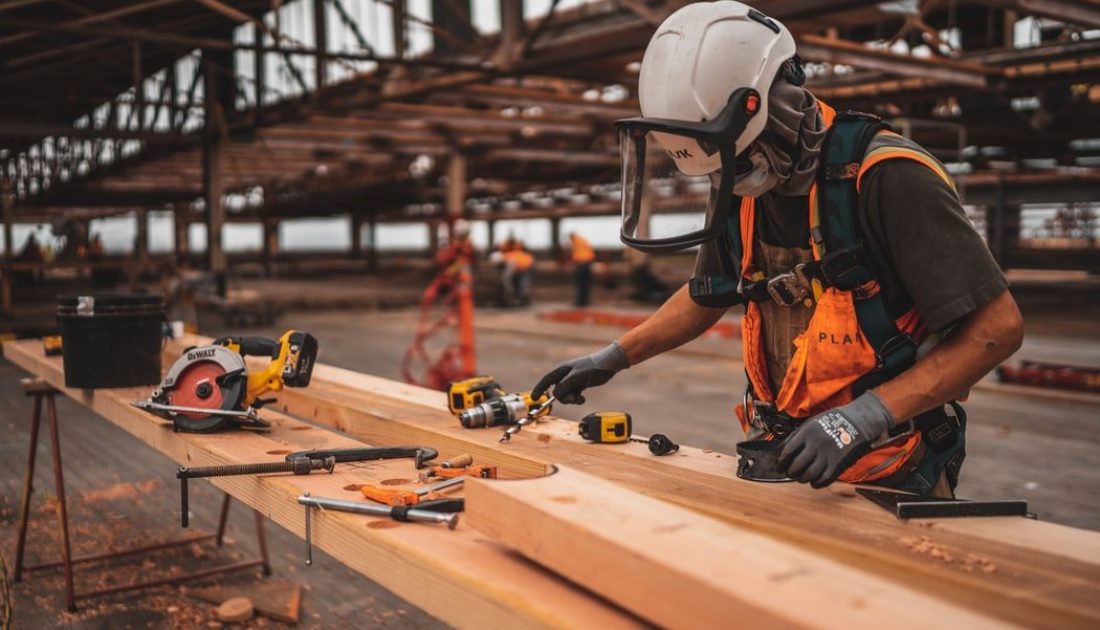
[
  {"x": 406, "y": 497},
  {"x": 530, "y": 417}
]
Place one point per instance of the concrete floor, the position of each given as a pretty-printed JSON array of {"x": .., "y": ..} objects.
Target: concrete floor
[{"x": 1019, "y": 446}]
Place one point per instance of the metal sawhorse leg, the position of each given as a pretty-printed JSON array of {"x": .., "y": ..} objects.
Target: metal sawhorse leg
[{"x": 45, "y": 393}]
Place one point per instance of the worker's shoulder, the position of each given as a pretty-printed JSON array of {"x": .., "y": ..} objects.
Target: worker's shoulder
[{"x": 891, "y": 159}]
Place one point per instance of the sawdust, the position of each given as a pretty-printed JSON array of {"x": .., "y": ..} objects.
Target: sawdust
[
  {"x": 353, "y": 487},
  {"x": 398, "y": 482},
  {"x": 279, "y": 451},
  {"x": 969, "y": 563},
  {"x": 124, "y": 490}
]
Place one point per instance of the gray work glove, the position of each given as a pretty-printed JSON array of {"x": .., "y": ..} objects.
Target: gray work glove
[
  {"x": 573, "y": 377},
  {"x": 827, "y": 444}
]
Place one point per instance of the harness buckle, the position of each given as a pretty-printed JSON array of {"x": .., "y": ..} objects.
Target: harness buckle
[
  {"x": 843, "y": 269},
  {"x": 902, "y": 342},
  {"x": 700, "y": 286},
  {"x": 788, "y": 289}
]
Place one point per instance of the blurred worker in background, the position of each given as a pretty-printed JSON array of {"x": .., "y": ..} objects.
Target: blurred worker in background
[
  {"x": 457, "y": 255},
  {"x": 519, "y": 267},
  {"x": 582, "y": 255},
  {"x": 871, "y": 303}
]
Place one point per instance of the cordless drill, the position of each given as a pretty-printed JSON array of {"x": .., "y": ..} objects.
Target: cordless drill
[{"x": 506, "y": 409}]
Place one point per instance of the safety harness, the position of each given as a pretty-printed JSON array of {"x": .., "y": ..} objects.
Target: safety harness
[{"x": 841, "y": 262}]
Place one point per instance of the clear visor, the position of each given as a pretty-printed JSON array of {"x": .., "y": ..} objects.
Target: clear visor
[{"x": 666, "y": 185}]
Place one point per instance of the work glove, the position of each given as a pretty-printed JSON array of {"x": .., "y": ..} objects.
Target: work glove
[
  {"x": 824, "y": 446},
  {"x": 573, "y": 377}
]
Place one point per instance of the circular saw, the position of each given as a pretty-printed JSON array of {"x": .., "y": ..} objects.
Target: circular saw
[{"x": 210, "y": 387}]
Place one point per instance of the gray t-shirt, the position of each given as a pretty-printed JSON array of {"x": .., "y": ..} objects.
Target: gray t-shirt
[{"x": 920, "y": 244}]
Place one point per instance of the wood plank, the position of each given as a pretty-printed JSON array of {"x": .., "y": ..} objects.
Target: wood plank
[
  {"x": 1045, "y": 575},
  {"x": 453, "y": 575},
  {"x": 682, "y": 570}
]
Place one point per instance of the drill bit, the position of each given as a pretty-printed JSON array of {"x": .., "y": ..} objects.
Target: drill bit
[{"x": 530, "y": 417}]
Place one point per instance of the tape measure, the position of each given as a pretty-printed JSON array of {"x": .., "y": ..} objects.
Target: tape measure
[{"x": 606, "y": 427}]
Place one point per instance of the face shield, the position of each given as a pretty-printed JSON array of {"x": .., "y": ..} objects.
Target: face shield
[{"x": 669, "y": 167}]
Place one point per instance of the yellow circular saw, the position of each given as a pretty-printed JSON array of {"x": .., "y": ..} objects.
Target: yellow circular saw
[{"x": 210, "y": 388}]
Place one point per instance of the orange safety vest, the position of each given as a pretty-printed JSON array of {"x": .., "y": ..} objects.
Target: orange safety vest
[
  {"x": 582, "y": 251},
  {"x": 832, "y": 353},
  {"x": 520, "y": 259}
]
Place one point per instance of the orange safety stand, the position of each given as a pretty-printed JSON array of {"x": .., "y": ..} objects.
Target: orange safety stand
[
  {"x": 42, "y": 391},
  {"x": 453, "y": 289}
]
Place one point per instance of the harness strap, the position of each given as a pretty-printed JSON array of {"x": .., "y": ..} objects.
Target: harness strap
[
  {"x": 843, "y": 260},
  {"x": 723, "y": 290}
]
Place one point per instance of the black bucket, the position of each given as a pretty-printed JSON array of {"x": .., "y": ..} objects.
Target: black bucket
[{"x": 111, "y": 340}]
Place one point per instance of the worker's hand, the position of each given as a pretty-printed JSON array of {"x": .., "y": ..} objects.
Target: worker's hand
[
  {"x": 827, "y": 444},
  {"x": 573, "y": 377}
]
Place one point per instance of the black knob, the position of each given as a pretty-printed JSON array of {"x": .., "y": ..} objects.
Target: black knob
[
  {"x": 659, "y": 444},
  {"x": 204, "y": 390}
]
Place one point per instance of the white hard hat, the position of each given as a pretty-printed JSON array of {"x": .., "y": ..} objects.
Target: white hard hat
[{"x": 697, "y": 58}]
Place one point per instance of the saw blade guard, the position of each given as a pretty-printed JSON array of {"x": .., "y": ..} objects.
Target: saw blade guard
[{"x": 207, "y": 377}]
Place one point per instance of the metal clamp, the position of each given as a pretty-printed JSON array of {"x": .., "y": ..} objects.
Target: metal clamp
[{"x": 788, "y": 289}]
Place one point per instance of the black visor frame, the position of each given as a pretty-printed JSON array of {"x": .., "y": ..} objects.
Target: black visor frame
[{"x": 721, "y": 132}]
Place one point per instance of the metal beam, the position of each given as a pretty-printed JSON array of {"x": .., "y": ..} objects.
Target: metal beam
[
  {"x": 320, "y": 42},
  {"x": 35, "y": 130}
]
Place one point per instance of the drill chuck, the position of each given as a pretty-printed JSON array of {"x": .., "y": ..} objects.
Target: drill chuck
[{"x": 494, "y": 412}]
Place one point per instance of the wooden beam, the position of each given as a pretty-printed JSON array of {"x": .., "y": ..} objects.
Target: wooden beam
[
  {"x": 1042, "y": 574},
  {"x": 452, "y": 575},
  {"x": 190, "y": 42},
  {"x": 678, "y": 569},
  {"x": 455, "y": 203},
  {"x": 213, "y": 167},
  {"x": 7, "y": 201},
  {"x": 1078, "y": 12},
  {"x": 817, "y": 48},
  {"x": 123, "y": 11}
]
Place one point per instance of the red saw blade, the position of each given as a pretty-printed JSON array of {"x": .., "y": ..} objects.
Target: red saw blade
[{"x": 197, "y": 386}]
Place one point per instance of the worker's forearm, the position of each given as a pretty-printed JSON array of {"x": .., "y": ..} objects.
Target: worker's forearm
[
  {"x": 678, "y": 321},
  {"x": 978, "y": 344}
]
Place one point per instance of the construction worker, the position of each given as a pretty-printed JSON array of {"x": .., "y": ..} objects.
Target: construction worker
[
  {"x": 519, "y": 267},
  {"x": 582, "y": 256},
  {"x": 871, "y": 303},
  {"x": 457, "y": 255}
]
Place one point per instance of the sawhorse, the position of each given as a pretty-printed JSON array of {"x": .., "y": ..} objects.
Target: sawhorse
[{"x": 45, "y": 393}]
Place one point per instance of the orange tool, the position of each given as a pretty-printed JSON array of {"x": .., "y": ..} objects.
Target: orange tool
[
  {"x": 484, "y": 471},
  {"x": 389, "y": 496}
]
